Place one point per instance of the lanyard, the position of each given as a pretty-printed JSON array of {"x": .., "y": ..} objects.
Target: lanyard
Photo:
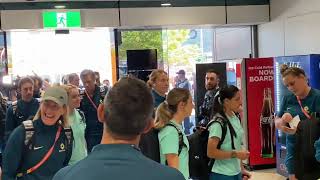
[
  {"x": 302, "y": 109},
  {"x": 46, "y": 157},
  {"x": 93, "y": 104}
]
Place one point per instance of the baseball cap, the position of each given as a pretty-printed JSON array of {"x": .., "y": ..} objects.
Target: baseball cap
[
  {"x": 56, "y": 94},
  {"x": 181, "y": 72}
]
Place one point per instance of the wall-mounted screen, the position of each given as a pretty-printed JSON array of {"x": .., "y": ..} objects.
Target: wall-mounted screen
[{"x": 142, "y": 59}]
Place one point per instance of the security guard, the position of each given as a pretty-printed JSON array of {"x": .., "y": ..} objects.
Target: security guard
[
  {"x": 91, "y": 97},
  {"x": 212, "y": 87},
  {"x": 22, "y": 109}
]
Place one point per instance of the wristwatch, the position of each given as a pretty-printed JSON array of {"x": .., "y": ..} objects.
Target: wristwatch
[{"x": 233, "y": 154}]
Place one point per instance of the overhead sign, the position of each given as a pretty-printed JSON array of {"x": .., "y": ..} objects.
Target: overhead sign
[{"x": 61, "y": 20}]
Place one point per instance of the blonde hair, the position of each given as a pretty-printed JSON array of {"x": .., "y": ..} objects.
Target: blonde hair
[
  {"x": 154, "y": 76},
  {"x": 295, "y": 71},
  {"x": 65, "y": 117},
  {"x": 68, "y": 88},
  {"x": 169, "y": 107}
]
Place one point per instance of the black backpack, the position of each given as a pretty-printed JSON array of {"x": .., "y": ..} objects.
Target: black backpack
[
  {"x": 306, "y": 165},
  {"x": 200, "y": 164},
  {"x": 149, "y": 143}
]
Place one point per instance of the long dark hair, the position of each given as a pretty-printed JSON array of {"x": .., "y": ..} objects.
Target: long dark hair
[{"x": 226, "y": 92}]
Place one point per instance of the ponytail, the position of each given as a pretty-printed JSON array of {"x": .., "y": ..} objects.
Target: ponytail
[
  {"x": 163, "y": 115},
  {"x": 227, "y": 92},
  {"x": 169, "y": 107},
  {"x": 217, "y": 106}
]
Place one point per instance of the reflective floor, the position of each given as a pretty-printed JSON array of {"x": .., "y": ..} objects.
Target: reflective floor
[{"x": 268, "y": 174}]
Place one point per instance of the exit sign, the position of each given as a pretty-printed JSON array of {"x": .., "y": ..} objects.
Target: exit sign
[{"x": 60, "y": 20}]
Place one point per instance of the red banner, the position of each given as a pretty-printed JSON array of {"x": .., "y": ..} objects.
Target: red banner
[{"x": 260, "y": 111}]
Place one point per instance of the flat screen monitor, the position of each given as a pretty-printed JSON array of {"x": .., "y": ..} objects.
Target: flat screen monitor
[
  {"x": 142, "y": 59},
  {"x": 143, "y": 75}
]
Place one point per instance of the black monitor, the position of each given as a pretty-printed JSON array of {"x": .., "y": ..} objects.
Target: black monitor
[
  {"x": 143, "y": 75},
  {"x": 142, "y": 59}
]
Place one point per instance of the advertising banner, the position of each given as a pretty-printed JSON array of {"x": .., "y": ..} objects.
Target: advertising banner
[{"x": 260, "y": 111}]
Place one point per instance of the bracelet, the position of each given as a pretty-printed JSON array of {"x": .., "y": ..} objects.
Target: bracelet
[{"x": 233, "y": 154}]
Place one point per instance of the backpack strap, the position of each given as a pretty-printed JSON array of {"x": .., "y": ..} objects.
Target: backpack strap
[
  {"x": 181, "y": 143},
  {"x": 223, "y": 124},
  {"x": 103, "y": 91},
  {"x": 69, "y": 144},
  {"x": 29, "y": 131},
  {"x": 16, "y": 112},
  {"x": 14, "y": 106},
  {"x": 83, "y": 117},
  {"x": 68, "y": 133}
]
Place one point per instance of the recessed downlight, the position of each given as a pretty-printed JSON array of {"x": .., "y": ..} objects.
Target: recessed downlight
[
  {"x": 59, "y": 6},
  {"x": 165, "y": 4}
]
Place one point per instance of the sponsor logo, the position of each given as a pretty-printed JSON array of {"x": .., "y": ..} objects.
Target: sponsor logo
[
  {"x": 36, "y": 148},
  {"x": 62, "y": 148}
]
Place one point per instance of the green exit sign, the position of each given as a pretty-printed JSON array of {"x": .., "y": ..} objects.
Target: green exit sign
[{"x": 60, "y": 20}]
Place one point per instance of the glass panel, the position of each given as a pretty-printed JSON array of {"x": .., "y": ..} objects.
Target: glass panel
[
  {"x": 233, "y": 43},
  {"x": 183, "y": 48},
  {"x": 51, "y": 55}
]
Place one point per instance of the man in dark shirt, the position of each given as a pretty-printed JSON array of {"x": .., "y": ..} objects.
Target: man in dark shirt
[
  {"x": 24, "y": 108},
  {"x": 212, "y": 87},
  {"x": 91, "y": 97},
  {"x": 182, "y": 81},
  {"x": 125, "y": 115}
]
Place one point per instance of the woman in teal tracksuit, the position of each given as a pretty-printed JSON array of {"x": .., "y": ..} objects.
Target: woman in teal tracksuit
[
  {"x": 297, "y": 83},
  {"x": 174, "y": 146},
  {"x": 77, "y": 123},
  {"x": 48, "y": 135},
  {"x": 228, "y": 156}
]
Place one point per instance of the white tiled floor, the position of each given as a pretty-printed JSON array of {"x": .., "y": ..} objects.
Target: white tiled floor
[{"x": 268, "y": 174}]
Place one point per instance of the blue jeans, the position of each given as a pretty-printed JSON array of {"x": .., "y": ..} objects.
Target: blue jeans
[{"x": 216, "y": 176}]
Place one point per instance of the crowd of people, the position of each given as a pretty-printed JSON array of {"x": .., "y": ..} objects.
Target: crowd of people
[{"x": 65, "y": 132}]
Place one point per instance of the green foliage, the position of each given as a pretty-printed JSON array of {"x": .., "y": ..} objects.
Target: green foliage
[
  {"x": 180, "y": 54},
  {"x": 169, "y": 43},
  {"x": 151, "y": 39}
]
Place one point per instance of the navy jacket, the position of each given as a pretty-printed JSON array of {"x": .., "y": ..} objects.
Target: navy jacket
[
  {"x": 23, "y": 111},
  {"x": 19, "y": 158}
]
